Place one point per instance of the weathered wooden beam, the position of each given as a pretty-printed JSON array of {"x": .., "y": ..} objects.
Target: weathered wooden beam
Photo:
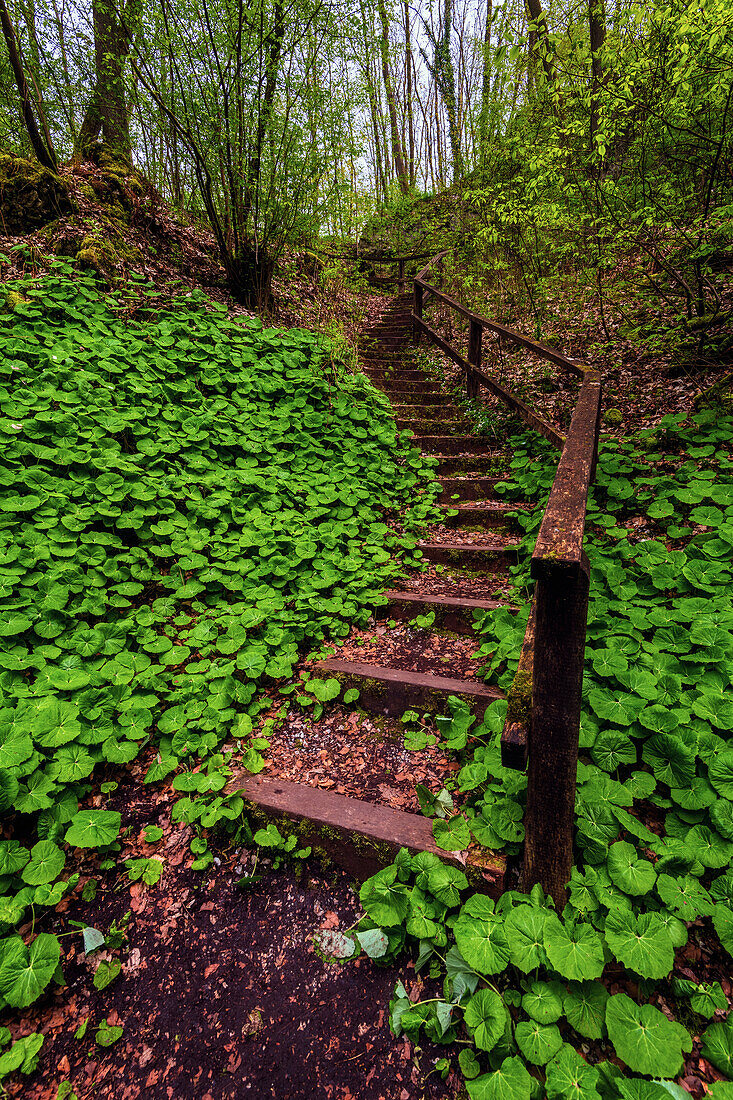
[
  {"x": 515, "y": 735},
  {"x": 559, "y": 544},
  {"x": 359, "y": 836}
]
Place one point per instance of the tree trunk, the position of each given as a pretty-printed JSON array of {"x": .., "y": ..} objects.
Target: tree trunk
[
  {"x": 541, "y": 43},
  {"x": 43, "y": 150},
  {"x": 408, "y": 96},
  {"x": 397, "y": 151},
  {"x": 107, "y": 112},
  {"x": 597, "y": 27},
  {"x": 483, "y": 131}
]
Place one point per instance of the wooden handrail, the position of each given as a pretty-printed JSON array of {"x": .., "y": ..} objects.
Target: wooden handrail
[{"x": 543, "y": 717}]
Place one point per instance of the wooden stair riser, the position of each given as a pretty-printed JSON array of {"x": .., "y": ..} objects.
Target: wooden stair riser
[
  {"x": 471, "y": 465},
  {"x": 490, "y": 558},
  {"x": 467, "y": 488},
  {"x": 483, "y": 517},
  {"x": 452, "y": 614},
  {"x": 452, "y": 444},
  {"x": 421, "y": 426},
  {"x": 358, "y": 836},
  {"x": 417, "y": 397}
]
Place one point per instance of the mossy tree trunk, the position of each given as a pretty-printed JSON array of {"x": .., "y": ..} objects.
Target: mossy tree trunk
[
  {"x": 108, "y": 112},
  {"x": 42, "y": 148}
]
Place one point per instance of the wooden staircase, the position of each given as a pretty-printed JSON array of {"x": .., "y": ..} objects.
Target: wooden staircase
[
  {"x": 476, "y": 532},
  {"x": 472, "y": 546}
]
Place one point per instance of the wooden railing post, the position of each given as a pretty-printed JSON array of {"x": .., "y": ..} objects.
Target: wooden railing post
[
  {"x": 561, "y": 603},
  {"x": 560, "y": 568},
  {"x": 417, "y": 310},
  {"x": 474, "y": 356},
  {"x": 401, "y": 275}
]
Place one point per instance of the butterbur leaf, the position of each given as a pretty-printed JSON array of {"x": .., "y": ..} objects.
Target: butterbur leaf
[
  {"x": 385, "y": 900},
  {"x": 525, "y": 931},
  {"x": 708, "y": 999},
  {"x": 640, "y": 943},
  {"x": 452, "y": 834},
  {"x": 723, "y": 922},
  {"x": 482, "y": 943},
  {"x": 717, "y": 1046},
  {"x": 467, "y": 1063},
  {"x": 46, "y": 863},
  {"x": 544, "y": 1002},
  {"x": 575, "y": 951},
  {"x": 537, "y": 1042},
  {"x": 13, "y": 857},
  {"x": 486, "y": 1016},
  {"x": 510, "y": 1082},
  {"x": 93, "y": 828},
  {"x": 632, "y": 875},
  {"x": 685, "y": 896},
  {"x": 644, "y": 1038},
  {"x": 720, "y": 774},
  {"x": 570, "y": 1077},
  {"x": 671, "y": 760},
  {"x": 585, "y": 1008},
  {"x": 373, "y": 942},
  {"x": 26, "y": 971}
]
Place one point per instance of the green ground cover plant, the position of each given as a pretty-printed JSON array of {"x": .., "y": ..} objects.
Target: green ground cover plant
[
  {"x": 521, "y": 989},
  {"x": 188, "y": 501}
]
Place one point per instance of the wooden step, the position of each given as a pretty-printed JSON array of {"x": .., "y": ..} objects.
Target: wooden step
[
  {"x": 392, "y": 691},
  {"x": 467, "y": 488},
  {"x": 485, "y": 514},
  {"x": 424, "y": 410},
  {"x": 453, "y": 444},
  {"x": 427, "y": 395},
  {"x": 453, "y": 613},
  {"x": 495, "y": 557},
  {"x": 359, "y": 836}
]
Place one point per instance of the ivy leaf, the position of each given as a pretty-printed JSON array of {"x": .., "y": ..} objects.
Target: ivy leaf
[
  {"x": 486, "y": 1018},
  {"x": 644, "y": 1038},
  {"x": 25, "y": 972},
  {"x": 575, "y": 951},
  {"x": 640, "y": 943}
]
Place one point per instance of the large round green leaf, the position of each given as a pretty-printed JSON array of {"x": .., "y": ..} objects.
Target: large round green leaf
[
  {"x": 486, "y": 1018},
  {"x": 93, "y": 828},
  {"x": 483, "y": 943},
  {"x": 574, "y": 950},
  {"x": 25, "y": 972},
  {"x": 644, "y": 1038}
]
